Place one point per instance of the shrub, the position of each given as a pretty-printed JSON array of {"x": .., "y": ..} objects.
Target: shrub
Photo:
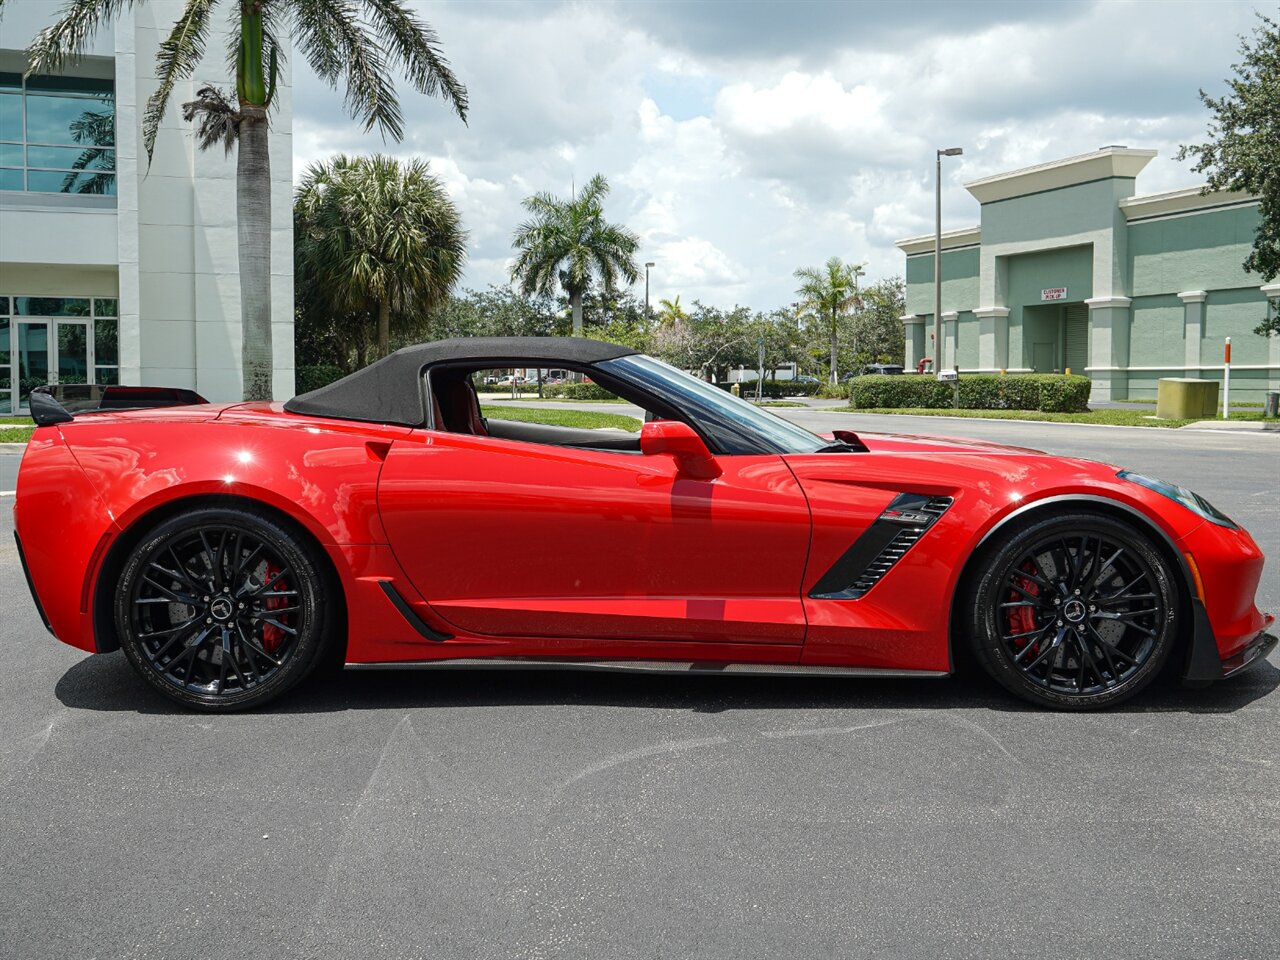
[
  {"x": 883, "y": 390},
  {"x": 315, "y": 376},
  {"x": 1046, "y": 392},
  {"x": 827, "y": 391},
  {"x": 570, "y": 391},
  {"x": 775, "y": 389}
]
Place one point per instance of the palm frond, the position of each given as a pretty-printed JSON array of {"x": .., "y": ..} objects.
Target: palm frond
[
  {"x": 217, "y": 119},
  {"x": 63, "y": 41},
  {"x": 176, "y": 60},
  {"x": 415, "y": 48}
]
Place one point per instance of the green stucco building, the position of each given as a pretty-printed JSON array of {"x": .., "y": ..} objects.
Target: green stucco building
[{"x": 1071, "y": 269}]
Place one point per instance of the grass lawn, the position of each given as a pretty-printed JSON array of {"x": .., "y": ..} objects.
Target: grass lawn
[
  {"x": 779, "y": 403},
  {"x": 1138, "y": 417},
  {"x": 582, "y": 419},
  {"x": 15, "y": 429}
]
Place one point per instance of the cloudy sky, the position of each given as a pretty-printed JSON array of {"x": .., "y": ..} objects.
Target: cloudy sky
[{"x": 744, "y": 139}]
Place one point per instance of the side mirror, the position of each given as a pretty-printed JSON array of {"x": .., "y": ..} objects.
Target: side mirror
[{"x": 693, "y": 459}]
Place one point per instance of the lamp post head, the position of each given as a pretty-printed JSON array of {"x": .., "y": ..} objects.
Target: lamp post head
[
  {"x": 648, "y": 265},
  {"x": 951, "y": 152}
]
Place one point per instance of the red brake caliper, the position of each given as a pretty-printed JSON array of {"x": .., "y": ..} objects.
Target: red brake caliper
[
  {"x": 272, "y": 637},
  {"x": 1023, "y": 619}
]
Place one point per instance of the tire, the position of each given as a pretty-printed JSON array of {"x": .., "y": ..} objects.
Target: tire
[
  {"x": 223, "y": 608},
  {"x": 1074, "y": 612}
]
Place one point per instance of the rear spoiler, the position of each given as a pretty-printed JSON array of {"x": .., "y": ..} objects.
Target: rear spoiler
[{"x": 51, "y": 405}]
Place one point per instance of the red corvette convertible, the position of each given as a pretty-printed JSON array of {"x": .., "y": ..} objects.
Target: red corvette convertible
[{"x": 383, "y": 521}]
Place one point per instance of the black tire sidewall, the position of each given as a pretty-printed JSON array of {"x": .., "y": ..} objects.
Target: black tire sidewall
[
  {"x": 294, "y": 549},
  {"x": 985, "y": 633}
]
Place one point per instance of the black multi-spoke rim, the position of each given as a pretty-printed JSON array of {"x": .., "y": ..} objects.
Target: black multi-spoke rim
[
  {"x": 217, "y": 611},
  {"x": 1080, "y": 614}
]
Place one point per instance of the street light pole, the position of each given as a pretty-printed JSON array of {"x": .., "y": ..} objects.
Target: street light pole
[
  {"x": 857, "y": 307},
  {"x": 647, "y": 266},
  {"x": 937, "y": 255}
]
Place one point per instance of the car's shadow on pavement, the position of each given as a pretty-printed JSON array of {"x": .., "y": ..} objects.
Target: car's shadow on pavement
[{"x": 106, "y": 682}]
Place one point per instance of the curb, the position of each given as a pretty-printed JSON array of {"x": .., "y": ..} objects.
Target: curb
[{"x": 12, "y": 449}]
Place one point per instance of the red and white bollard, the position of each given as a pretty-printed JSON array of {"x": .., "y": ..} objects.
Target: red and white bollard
[{"x": 1226, "y": 380}]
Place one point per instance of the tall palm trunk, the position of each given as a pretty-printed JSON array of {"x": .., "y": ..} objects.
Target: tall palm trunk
[
  {"x": 834, "y": 348},
  {"x": 253, "y": 216},
  {"x": 384, "y": 327},
  {"x": 575, "y": 301}
]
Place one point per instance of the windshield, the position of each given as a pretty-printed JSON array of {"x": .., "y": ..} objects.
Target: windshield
[{"x": 711, "y": 404}]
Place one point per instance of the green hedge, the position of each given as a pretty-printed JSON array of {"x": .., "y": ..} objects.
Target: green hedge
[
  {"x": 1045, "y": 392},
  {"x": 316, "y": 376},
  {"x": 775, "y": 389},
  {"x": 572, "y": 391}
]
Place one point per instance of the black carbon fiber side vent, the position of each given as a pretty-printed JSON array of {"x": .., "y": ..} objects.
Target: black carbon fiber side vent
[{"x": 881, "y": 545}]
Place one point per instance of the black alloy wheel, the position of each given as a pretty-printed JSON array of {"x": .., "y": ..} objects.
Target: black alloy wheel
[
  {"x": 1075, "y": 612},
  {"x": 222, "y": 609}
]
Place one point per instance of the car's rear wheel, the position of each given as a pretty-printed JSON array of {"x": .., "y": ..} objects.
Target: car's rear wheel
[
  {"x": 1074, "y": 612},
  {"x": 222, "y": 608}
]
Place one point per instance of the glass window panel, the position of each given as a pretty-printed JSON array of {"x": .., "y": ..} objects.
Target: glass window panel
[
  {"x": 70, "y": 120},
  {"x": 73, "y": 353},
  {"x": 4, "y": 346},
  {"x": 106, "y": 341},
  {"x": 103, "y": 308},
  {"x": 4, "y": 312},
  {"x": 108, "y": 375},
  {"x": 71, "y": 158},
  {"x": 56, "y": 181},
  {"x": 51, "y": 306},
  {"x": 6, "y": 398},
  {"x": 59, "y": 84},
  {"x": 33, "y": 357},
  {"x": 11, "y": 155},
  {"x": 10, "y": 81},
  {"x": 10, "y": 116},
  {"x": 11, "y": 180}
]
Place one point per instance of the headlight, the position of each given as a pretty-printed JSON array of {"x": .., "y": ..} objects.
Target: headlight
[{"x": 1189, "y": 499}]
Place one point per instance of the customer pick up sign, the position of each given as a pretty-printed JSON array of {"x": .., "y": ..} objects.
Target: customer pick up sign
[{"x": 1054, "y": 293}]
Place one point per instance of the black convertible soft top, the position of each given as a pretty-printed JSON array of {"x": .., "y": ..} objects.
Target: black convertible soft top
[{"x": 391, "y": 390}]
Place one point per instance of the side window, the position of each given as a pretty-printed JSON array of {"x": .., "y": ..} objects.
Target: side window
[{"x": 548, "y": 405}]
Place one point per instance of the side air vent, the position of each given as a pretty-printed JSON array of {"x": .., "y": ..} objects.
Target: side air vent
[{"x": 881, "y": 545}]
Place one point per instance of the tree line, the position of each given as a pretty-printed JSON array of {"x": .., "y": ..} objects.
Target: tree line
[{"x": 379, "y": 248}]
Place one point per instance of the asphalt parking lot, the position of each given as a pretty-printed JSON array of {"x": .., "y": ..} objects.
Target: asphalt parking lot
[{"x": 503, "y": 815}]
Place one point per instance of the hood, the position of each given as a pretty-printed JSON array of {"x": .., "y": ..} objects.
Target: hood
[{"x": 910, "y": 443}]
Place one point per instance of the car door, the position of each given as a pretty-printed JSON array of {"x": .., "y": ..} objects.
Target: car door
[{"x": 517, "y": 539}]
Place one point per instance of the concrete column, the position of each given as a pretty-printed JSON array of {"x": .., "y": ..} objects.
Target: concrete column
[
  {"x": 1272, "y": 292},
  {"x": 993, "y": 338},
  {"x": 1193, "y": 328},
  {"x": 951, "y": 335},
  {"x": 1109, "y": 346},
  {"x": 913, "y": 328}
]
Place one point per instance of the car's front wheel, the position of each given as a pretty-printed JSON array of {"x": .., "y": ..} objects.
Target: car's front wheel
[
  {"x": 222, "y": 608},
  {"x": 1074, "y": 611}
]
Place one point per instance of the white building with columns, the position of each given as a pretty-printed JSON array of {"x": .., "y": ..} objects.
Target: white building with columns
[{"x": 113, "y": 269}]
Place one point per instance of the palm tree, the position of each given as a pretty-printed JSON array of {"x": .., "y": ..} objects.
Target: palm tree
[
  {"x": 828, "y": 292},
  {"x": 670, "y": 313},
  {"x": 357, "y": 42},
  {"x": 374, "y": 235},
  {"x": 567, "y": 243}
]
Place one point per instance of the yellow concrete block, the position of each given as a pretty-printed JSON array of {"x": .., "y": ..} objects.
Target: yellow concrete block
[{"x": 1186, "y": 398}]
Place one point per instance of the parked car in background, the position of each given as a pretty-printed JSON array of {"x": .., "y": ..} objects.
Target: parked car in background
[
  {"x": 893, "y": 369},
  {"x": 805, "y": 378}
]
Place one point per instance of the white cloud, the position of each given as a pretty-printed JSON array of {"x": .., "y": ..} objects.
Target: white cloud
[{"x": 745, "y": 140}]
